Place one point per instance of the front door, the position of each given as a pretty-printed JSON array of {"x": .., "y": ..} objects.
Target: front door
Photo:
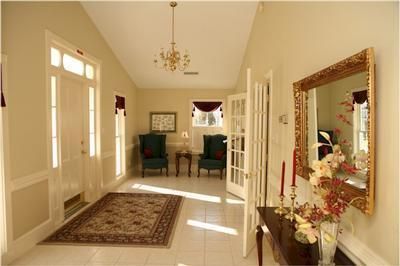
[{"x": 73, "y": 146}]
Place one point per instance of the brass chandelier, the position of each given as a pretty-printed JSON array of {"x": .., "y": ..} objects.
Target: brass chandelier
[{"x": 172, "y": 59}]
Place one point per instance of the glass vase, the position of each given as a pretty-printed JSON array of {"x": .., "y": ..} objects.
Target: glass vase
[{"x": 327, "y": 243}]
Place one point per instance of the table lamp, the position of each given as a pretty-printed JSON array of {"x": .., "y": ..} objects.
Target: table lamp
[{"x": 185, "y": 136}]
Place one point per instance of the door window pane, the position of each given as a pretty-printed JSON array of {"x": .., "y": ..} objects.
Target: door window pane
[
  {"x": 55, "y": 57},
  {"x": 89, "y": 70},
  {"x": 73, "y": 64}
]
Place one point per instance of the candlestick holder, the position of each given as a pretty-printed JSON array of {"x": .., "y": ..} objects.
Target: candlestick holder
[
  {"x": 281, "y": 210},
  {"x": 290, "y": 215}
]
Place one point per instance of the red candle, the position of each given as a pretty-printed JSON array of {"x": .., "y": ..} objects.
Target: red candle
[
  {"x": 294, "y": 168},
  {"x": 283, "y": 177}
]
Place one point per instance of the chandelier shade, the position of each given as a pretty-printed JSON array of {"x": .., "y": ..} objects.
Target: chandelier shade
[{"x": 172, "y": 59}]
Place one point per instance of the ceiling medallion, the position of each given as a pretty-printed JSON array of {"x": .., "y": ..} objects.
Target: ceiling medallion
[{"x": 172, "y": 59}]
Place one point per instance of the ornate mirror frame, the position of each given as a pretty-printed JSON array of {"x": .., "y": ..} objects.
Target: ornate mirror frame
[{"x": 362, "y": 61}]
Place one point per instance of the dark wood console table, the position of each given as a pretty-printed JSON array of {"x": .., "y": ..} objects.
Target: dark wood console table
[{"x": 287, "y": 250}]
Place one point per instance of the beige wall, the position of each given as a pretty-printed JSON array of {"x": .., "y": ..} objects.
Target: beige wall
[
  {"x": 23, "y": 28},
  {"x": 295, "y": 40},
  {"x": 173, "y": 100}
]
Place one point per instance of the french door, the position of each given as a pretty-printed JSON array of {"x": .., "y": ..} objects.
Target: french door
[
  {"x": 248, "y": 153},
  {"x": 256, "y": 154},
  {"x": 236, "y": 144}
]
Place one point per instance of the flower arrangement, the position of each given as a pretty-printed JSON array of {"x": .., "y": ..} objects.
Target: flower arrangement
[{"x": 330, "y": 201}]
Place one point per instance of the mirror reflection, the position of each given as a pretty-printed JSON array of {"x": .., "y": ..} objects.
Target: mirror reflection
[{"x": 340, "y": 108}]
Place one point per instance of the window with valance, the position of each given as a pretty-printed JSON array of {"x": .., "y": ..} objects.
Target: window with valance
[
  {"x": 120, "y": 104},
  {"x": 207, "y": 113}
]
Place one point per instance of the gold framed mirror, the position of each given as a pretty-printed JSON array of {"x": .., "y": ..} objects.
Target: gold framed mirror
[{"x": 340, "y": 100}]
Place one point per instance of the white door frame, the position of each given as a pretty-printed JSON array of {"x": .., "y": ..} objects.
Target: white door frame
[
  {"x": 269, "y": 80},
  {"x": 5, "y": 191},
  {"x": 94, "y": 179}
]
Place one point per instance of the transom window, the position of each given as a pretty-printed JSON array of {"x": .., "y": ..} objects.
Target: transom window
[{"x": 71, "y": 63}]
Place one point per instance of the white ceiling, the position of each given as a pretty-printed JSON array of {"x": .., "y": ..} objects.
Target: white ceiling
[{"x": 214, "y": 33}]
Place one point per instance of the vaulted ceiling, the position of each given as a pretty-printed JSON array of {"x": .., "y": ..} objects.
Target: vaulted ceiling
[{"x": 214, "y": 33}]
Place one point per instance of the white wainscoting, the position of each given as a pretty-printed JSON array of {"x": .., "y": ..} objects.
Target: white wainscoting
[
  {"x": 17, "y": 247},
  {"x": 29, "y": 180}
]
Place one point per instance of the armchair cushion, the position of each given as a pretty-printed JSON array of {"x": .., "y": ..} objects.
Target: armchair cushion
[
  {"x": 212, "y": 164},
  {"x": 148, "y": 153},
  {"x": 219, "y": 154},
  {"x": 155, "y": 163}
]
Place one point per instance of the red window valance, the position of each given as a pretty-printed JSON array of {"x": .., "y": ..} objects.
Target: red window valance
[
  {"x": 3, "y": 100},
  {"x": 360, "y": 97},
  {"x": 207, "y": 107},
  {"x": 120, "y": 104}
]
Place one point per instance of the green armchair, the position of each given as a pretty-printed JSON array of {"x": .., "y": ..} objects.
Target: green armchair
[
  {"x": 153, "y": 152},
  {"x": 214, "y": 154}
]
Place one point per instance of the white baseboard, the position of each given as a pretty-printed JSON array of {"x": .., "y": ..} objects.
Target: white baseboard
[
  {"x": 114, "y": 184},
  {"x": 358, "y": 252},
  {"x": 23, "y": 244}
]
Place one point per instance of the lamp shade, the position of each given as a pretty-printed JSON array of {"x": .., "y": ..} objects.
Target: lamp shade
[{"x": 185, "y": 134}]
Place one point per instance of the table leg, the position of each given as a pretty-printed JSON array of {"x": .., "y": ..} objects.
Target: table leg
[
  {"x": 190, "y": 166},
  {"x": 177, "y": 166},
  {"x": 259, "y": 238}
]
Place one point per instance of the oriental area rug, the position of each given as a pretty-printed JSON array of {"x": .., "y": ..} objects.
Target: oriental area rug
[{"x": 123, "y": 219}]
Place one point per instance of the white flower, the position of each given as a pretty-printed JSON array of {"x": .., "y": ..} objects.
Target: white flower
[
  {"x": 314, "y": 180},
  {"x": 299, "y": 219},
  {"x": 321, "y": 168},
  {"x": 336, "y": 158},
  {"x": 361, "y": 160}
]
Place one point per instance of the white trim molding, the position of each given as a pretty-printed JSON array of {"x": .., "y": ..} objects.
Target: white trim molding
[
  {"x": 131, "y": 146},
  {"x": 115, "y": 183},
  {"x": 29, "y": 180},
  {"x": 24, "y": 243},
  {"x": 357, "y": 251},
  {"x": 107, "y": 154}
]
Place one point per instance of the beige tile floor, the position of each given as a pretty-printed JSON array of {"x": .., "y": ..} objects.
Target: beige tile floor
[{"x": 208, "y": 232}]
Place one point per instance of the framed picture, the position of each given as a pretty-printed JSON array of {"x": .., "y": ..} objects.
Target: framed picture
[{"x": 163, "y": 121}]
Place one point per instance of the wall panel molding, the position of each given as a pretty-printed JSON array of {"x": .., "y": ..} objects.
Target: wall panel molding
[
  {"x": 29, "y": 180},
  {"x": 24, "y": 243}
]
